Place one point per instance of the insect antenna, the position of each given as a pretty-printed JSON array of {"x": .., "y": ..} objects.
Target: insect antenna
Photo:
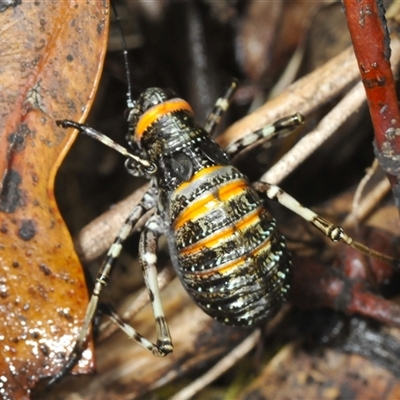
[
  {"x": 129, "y": 101},
  {"x": 136, "y": 165}
]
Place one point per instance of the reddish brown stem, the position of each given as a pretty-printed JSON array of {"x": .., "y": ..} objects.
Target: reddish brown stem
[
  {"x": 369, "y": 33},
  {"x": 373, "y": 306}
]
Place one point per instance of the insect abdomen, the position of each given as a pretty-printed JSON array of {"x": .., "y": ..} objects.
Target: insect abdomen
[{"x": 228, "y": 252}]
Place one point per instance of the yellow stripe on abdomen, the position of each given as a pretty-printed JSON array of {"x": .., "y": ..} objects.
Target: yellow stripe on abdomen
[
  {"x": 210, "y": 201},
  {"x": 224, "y": 234}
]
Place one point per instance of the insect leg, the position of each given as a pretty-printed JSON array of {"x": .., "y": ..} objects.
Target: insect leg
[
  {"x": 148, "y": 259},
  {"x": 147, "y": 203},
  {"x": 221, "y": 105},
  {"x": 278, "y": 129},
  {"x": 141, "y": 163},
  {"x": 334, "y": 232}
]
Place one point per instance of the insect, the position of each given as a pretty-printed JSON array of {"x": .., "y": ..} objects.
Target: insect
[{"x": 223, "y": 243}]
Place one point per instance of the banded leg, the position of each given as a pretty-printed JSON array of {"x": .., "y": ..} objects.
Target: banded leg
[
  {"x": 278, "y": 129},
  {"x": 334, "y": 232},
  {"x": 142, "y": 166},
  {"x": 148, "y": 259},
  {"x": 221, "y": 106},
  {"x": 147, "y": 203}
]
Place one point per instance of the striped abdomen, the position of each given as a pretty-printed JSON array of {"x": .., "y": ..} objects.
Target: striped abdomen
[{"x": 226, "y": 248}]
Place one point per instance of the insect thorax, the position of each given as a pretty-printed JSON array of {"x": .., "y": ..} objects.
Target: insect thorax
[{"x": 180, "y": 149}]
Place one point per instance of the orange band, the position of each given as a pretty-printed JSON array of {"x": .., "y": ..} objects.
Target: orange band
[
  {"x": 154, "y": 113},
  {"x": 213, "y": 239},
  {"x": 199, "y": 207}
]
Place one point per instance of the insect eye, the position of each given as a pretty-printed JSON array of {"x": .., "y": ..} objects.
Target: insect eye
[{"x": 181, "y": 166}]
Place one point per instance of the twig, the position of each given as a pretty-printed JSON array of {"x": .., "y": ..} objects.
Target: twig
[
  {"x": 371, "y": 41},
  {"x": 325, "y": 129},
  {"x": 362, "y": 207},
  {"x": 218, "y": 369},
  {"x": 305, "y": 95},
  {"x": 328, "y": 126},
  {"x": 96, "y": 237},
  {"x": 231, "y": 358}
]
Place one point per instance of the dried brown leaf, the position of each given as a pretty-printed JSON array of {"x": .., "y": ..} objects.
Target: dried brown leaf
[{"x": 51, "y": 59}]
